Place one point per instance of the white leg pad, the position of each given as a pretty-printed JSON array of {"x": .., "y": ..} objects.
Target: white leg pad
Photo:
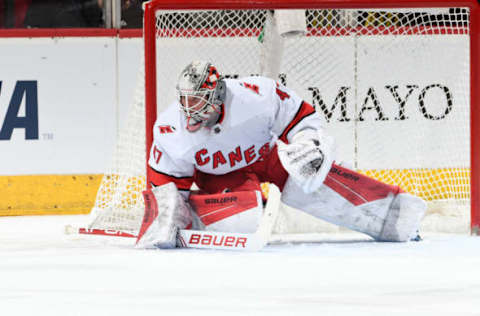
[
  {"x": 403, "y": 218},
  {"x": 238, "y": 212},
  {"x": 391, "y": 217}
]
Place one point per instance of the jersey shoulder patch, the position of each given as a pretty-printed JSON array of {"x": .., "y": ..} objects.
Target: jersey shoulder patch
[
  {"x": 168, "y": 121},
  {"x": 168, "y": 131}
]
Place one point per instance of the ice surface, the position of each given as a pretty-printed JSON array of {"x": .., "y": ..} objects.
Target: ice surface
[{"x": 44, "y": 272}]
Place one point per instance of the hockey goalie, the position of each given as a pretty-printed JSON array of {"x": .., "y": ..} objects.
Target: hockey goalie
[{"x": 230, "y": 135}]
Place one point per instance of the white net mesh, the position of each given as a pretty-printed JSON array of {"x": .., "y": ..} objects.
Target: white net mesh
[
  {"x": 119, "y": 204},
  {"x": 391, "y": 85}
]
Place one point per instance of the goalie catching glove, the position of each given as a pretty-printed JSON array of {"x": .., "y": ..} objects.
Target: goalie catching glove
[{"x": 308, "y": 158}]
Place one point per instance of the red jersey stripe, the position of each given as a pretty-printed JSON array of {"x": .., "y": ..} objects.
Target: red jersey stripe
[
  {"x": 158, "y": 178},
  {"x": 305, "y": 110}
]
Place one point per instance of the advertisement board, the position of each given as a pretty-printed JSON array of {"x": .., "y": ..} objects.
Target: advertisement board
[{"x": 63, "y": 101}]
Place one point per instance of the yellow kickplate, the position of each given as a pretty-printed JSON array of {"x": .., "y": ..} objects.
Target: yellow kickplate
[{"x": 48, "y": 194}]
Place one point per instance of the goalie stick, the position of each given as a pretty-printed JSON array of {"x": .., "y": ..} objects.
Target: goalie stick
[{"x": 209, "y": 239}]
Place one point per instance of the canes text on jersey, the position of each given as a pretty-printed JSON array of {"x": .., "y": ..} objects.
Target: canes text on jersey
[{"x": 203, "y": 157}]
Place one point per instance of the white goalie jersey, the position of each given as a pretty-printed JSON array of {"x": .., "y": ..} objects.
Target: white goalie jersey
[{"x": 257, "y": 111}]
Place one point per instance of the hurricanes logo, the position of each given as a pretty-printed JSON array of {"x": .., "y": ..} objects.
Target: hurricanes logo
[{"x": 166, "y": 129}]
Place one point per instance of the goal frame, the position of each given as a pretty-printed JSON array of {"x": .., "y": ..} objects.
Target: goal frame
[{"x": 473, "y": 5}]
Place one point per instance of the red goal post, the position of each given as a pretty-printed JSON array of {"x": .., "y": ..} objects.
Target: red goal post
[{"x": 150, "y": 41}]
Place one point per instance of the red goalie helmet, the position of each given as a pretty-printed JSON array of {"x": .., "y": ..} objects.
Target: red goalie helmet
[{"x": 201, "y": 92}]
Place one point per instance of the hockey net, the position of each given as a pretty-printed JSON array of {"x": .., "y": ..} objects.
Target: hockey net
[{"x": 392, "y": 85}]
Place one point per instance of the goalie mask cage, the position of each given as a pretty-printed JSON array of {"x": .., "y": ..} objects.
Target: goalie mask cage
[{"x": 395, "y": 81}]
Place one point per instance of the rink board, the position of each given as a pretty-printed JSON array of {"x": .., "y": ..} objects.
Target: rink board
[{"x": 81, "y": 107}]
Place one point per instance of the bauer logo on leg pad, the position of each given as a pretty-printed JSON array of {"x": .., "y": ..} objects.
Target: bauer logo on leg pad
[
  {"x": 212, "y": 208},
  {"x": 356, "y": 187}
]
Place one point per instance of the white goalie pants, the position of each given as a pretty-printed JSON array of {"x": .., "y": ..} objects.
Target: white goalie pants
[{"x": 360, "y": 203}]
